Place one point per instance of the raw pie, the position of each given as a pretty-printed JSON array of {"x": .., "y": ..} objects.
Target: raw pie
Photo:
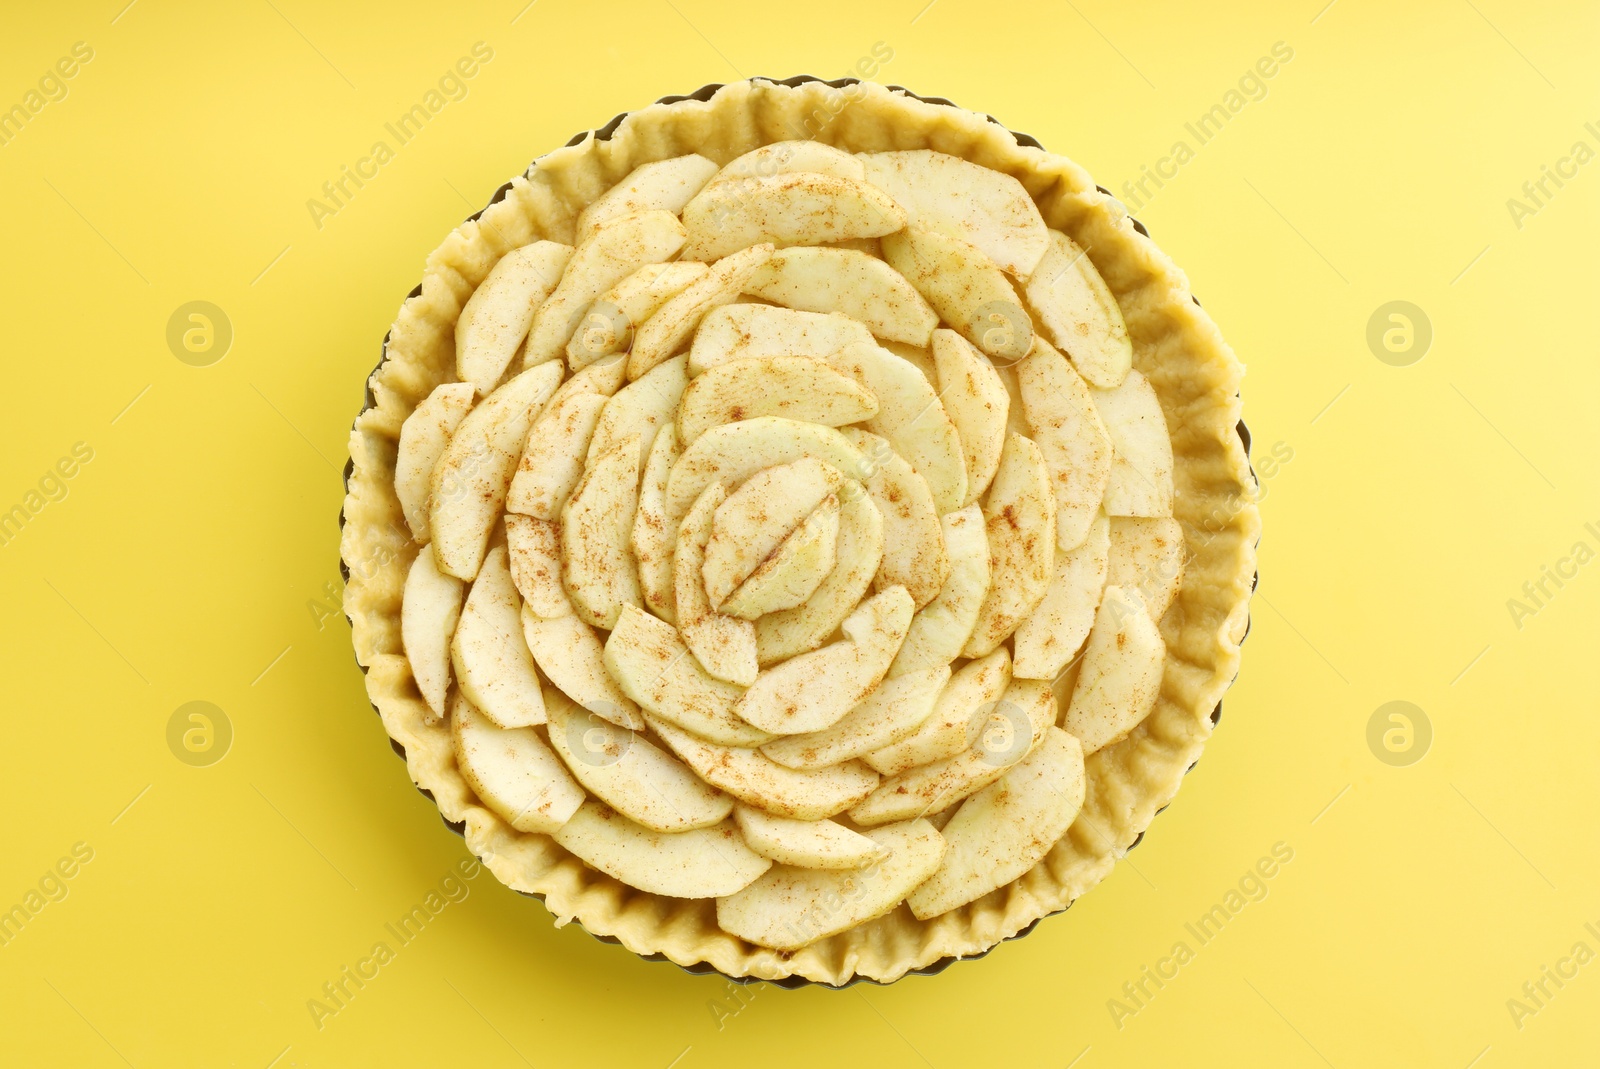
[{"x": 810, "y": 557}]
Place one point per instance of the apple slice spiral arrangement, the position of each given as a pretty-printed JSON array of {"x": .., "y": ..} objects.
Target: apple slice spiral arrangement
[{"x": 793, "y": 536}]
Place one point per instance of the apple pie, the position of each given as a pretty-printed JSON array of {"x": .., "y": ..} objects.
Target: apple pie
[{"x": 808, "y": 558}]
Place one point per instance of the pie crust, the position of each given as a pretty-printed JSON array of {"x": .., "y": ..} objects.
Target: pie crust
[{"x": 1176, "y": 346}]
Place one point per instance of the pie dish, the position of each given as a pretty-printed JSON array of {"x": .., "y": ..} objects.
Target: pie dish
[{"x": 811, "y": 558}]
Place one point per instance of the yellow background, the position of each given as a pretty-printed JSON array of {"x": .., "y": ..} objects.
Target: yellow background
[{"x": 188, "y": 557}]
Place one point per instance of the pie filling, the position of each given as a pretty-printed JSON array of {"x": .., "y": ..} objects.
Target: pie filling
[{"x": 791, "y": 538}]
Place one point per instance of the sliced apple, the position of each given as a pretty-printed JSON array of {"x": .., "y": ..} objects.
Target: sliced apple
[
  {"x": 652, "y": 538},
  {"x": 1066, "y": 425},
  {"x": 788, "y": 157},
  {"x": 981, "y": 206},
  {"x": 1008, "y": 827},
  {"x": 423, "y": 437},
  {"x": 1120, "y": 677},
  {"x": 495, "y": 319},
  {"x": 806, "y": 844},
  {"x": 607, "y": 325},
  {"x": 814, "y": 690},
  {"x": 889, "y": 714},
  {"x": 758, "y": 781},
  {"x": 512, "y": 771},
  {"x": 492, "y": 663},
  {"x": 748, "y": 527},
  {"x": 792, "y": 574},
  {"x": 913, "y": 419},
  {"x": 616, "y": 250},
  {"x": 1079, "y": 313},
  {"x": 666, "y": 333},
  {"x": 651, "y": 664},
  {"x": 963, "y": 285},
  {"x": 755, "y": 331},
  {"x": 428, "y": 615},
  {"x": 596, "y": 529},
  {"x": 795, "y": 387},
  {"x": 789, "y": 908},
  {"x": 1020, "y": 520},
  {"x": 978, "y": 404},
  {"x": 781, "y": 635},
  {"x": 1011, "y": 727},
  {"x": 954, "y": 724},
  {"x": 469, "y": 483},
  {"x": 798, "y": 208},
  {"x": 553, "y": 458},
  {"x": 732, "y": 453},
  {"x": 940, "y": 629},
  {"x": 1147, "y": 554},
  {"x": 630, "y": 773},
  {"x": 914, "y": 553},
  {"x": 571, "y": 655},
  {"x": 724, "y": 646},
  {"x": 1053, "y": 633},
  {"x": 703, "y": 863},
  {"x": 534, "y": 548},
  {"x": 1141, "y": 465},
  {"x": 843, "y": 280},
  {"x": 641, "y": 408},
  {"x": 664, "y": 185}
]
